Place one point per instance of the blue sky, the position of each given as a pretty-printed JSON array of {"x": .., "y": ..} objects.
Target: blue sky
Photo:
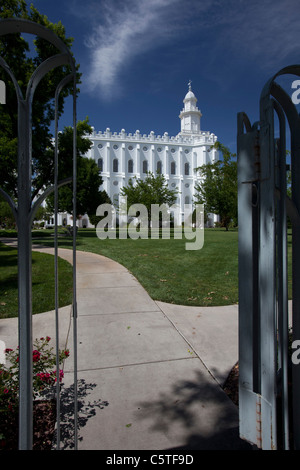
[{"x": 137, "y": 56}]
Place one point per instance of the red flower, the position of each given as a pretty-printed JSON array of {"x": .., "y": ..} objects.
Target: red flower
[{"x": 36, "y": 355}]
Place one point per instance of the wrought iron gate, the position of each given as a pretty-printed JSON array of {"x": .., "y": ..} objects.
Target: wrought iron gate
[
  {"x": 24, "y": 212},
  {"x": 269, "y": 383}
]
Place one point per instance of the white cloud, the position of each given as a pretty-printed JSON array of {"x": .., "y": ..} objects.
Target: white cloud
[
  {"x": 126, "y": 30},
  {"x": 231, "y": 32}
]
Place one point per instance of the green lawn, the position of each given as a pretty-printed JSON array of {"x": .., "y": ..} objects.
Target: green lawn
[
  {"x": 168, "y": 272},
  {"x": 42, "y": 282}
]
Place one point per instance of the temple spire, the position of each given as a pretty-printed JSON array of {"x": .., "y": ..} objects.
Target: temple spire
[{"x": 190, "y": 115}]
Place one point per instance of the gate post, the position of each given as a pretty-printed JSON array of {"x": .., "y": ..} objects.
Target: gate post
[
  {"x": 267, "y": 284},
  {"x": 24, "y": 210},
  {"x": 24, "y": 276},
  {"x": 257, "y": 400},
  {"x": 249, "y": 319},
  {"x": 264, "y": 405}
]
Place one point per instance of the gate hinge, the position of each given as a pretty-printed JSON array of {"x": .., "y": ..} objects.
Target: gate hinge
[
  {"x": 258, "y": 423},
  {"x": 257, "y": 168}
]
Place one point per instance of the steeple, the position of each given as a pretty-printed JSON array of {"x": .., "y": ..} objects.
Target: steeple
[{"x": 190, "y": 115}]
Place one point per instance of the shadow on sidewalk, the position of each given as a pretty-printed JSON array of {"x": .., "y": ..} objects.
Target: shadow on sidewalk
[
  {"x": 200, "y": 408},
  {"x": 85, "y": 412}
]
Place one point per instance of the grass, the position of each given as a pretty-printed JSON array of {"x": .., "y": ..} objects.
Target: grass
[
  {"x": 170, "y": 273},
  {"x": 42, "y": 282},
  {"x": 167, "y": 270}
]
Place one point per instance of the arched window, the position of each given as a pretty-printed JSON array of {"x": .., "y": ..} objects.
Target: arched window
[
  {"x": 100, "y": 164},
  {"x": 130, "y": 166},
  {"x": 145, "y": 166},
  {"x": 173, "y": 168},
  {"x": 187, "y": 199},
  {"x": 115, "y": 165},
  {"x": 186, "y": 168},
  {"x": 159, "y": 167}
]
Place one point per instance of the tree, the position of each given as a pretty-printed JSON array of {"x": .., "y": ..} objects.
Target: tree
[
  {"x": 218, "y": 188},
  {"x": 18, "y": 54},
  {"x": 89, "y": 180},
  {"x": 152, "y": 190},
  {"x": 6, "y": 217}
]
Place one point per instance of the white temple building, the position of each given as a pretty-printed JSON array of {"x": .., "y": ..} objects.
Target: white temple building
[{"x": 121, "y": 156}]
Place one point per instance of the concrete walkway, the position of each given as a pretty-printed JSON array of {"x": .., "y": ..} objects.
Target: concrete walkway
[{"x": 149, "y": 373}]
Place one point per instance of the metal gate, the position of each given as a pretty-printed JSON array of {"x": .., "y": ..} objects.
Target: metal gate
[
  {"x": 269, "y": 382},
  {"x": 24, "y": 212}
]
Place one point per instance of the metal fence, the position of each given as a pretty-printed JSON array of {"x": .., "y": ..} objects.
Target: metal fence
[
  {"x": 24, "y": 211},
  {"x": 269, "y": 382},
  {"x": 268, "y": 392}
]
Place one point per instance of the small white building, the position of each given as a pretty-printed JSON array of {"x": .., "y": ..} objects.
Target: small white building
[{"x": 121, "y": 156}]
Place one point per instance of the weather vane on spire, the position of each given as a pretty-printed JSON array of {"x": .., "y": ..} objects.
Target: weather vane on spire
[{"x": 190, "y": 85}]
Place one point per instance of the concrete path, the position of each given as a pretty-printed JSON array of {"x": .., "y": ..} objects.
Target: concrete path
[{"x": 149, "y": 373}]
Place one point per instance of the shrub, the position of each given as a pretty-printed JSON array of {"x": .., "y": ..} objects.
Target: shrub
[{"x": 44, "y": 373}]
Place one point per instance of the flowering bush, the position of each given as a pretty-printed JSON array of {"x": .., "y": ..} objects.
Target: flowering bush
[{"x": 44, "y": 373}]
